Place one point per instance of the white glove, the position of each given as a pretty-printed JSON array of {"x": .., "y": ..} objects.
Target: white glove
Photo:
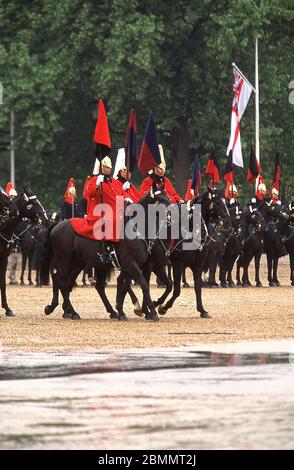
[
  {"x": 126, "y": 185},
  {"x": 129, "y": 200},
  {"x": 232, "y": 200},
  {"x": 100, "y": 179}
]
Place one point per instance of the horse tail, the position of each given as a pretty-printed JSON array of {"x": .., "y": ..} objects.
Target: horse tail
[{"x": 45, "y": 255}]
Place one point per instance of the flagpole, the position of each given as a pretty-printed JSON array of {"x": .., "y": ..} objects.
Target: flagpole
[{"x": 257, "y": 107}]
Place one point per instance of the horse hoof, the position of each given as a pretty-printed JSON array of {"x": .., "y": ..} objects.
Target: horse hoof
[
  {"x": 31, "y": 283},
  {"x": 162, "y": 310},
  {"x": 239, "y": 283},
  {"x": 122, "y": 317},
  {"x": 139, "y": 313},
  {"x": 75, "y": 316},
  {"x": 186, "y": 285},
  {"x": 48, "y": 309},
  {"x": 278, "y": 284},
  {"x": 224, "y": 284},
  {"x": 66, "y": 315},
  {"x": 9, "y": 313},
  {"x": 213, "y": 286},
  {"x": 113, "y": 315},
  {"x": 272, "y": 284},
  {"x": 205, "y": 315},
  {"x": 153, "y": 317},
  {"x": 21, "y": 283},
  {"x": 259, "y": 284}
]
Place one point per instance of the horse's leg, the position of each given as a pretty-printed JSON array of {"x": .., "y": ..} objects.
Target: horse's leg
[
  {"x": 245, "y": 278},
  {"x": 3, "y": 269},
  {"x": 197, "y": 288},
  {"x": 238, "y": 277},
  {"x": 135, "y": 272},
  {"x": 55, "y": 288},
  {"x": 169, "y": 270},
  {"x": 66, "y": 284},
  {"x": 146, "y": 271},
  {"x": 101, "y": 277},
  {"x": 123, "y": 284},
  {"x": 275, "y": 271},
  {"x": 222, "y": 271},
  {"x": 169, "y": 286},
  {"x": 212, "y": 270},
  {"x": 135, "y": 302},
  {"x": 23, "y": 267},
  {"x": 291, "y": 256},
  {"x": 30, "y": 268},
  {"x": 184, "y": 280},
  {"x": 230, "y": 270},
  {"x": 269, "y": 270},
  {"x": 257, "y": 268},
  {"x": 177, "y": 274}
]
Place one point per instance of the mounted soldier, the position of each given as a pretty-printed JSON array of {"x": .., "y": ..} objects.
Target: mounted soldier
[
  {"x": 158, "y": 179},
  {"x": 70, "y": 208},
  {"x": 122, "y": 175},
  {"x": 10, "y": 191},
  {"x": 15, "y": 249}
]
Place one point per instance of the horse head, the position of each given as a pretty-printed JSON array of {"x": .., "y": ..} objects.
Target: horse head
[
  {"x": 237, "y": 218},
  {"x": 214, "y": 209},
  {"x": 155, "y": 196},
  {"x": 255, "y": 218},
  {"x": 30, "y": 207},
  {"x": 278, "y": 211}
]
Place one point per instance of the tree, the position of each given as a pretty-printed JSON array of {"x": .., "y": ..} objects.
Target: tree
[{"x": 57, "y": 58}]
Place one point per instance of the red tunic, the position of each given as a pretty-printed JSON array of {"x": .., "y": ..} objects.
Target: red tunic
[
  {"x": 93, "y": 225},
  {"x": 165, "y": 184},
  {"x": 131, "y": 193}
]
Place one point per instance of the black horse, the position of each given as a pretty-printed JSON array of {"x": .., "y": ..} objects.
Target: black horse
[
  {"x": 213, "y": 208},
  {"x": 253, "y": 246},
  {"x": 72, "y": 253},
  {"x": 275, "y": 237},
  {"x": 26, "y": 238},
  {"x": 233, "y": 247},
  {"x": 25, "y": 205},
  {"x": 289, "y": 242}
]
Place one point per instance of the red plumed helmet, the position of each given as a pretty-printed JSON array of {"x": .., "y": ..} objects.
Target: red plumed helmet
[{"x": 70, "y": 193}]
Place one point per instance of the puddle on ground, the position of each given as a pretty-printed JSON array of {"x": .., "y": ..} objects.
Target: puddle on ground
[{"x": 217, "y": 396}]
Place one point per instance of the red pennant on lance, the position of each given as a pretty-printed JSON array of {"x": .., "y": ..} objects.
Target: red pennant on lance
[
  {"x": 85, "y": 190},
  {"x": 253, "y": 168},
  {"x": 212, "y": 169},
  {"x": 67, "y": 196},
  {"x": 101, "y": 135},
  {"x": 9, "y": 187},
  {"x": 277, "y": 173}
]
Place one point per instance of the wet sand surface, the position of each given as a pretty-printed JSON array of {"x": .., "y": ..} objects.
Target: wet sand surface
[
  {"x": 218, "y": 396},
  {"x": 239, "y": 314}
]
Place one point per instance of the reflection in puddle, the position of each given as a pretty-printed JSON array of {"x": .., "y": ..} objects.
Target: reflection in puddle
[
  {"x": 33, "y": 366},
  {"x": 171, "y": 399}
]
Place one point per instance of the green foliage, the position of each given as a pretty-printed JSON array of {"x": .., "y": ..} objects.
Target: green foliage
[{"x": 57, "y": 58}]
